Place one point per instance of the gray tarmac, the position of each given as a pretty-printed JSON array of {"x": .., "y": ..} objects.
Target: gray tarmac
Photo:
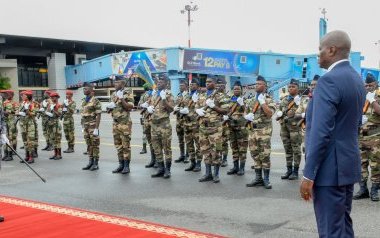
[{"x": 229, "y": 209}]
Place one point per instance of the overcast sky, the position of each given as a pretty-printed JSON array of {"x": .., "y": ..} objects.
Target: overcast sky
[{"x": 285, "y": 26}]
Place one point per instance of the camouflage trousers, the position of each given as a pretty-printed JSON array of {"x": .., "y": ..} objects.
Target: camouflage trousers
[
  {"x": 162, "y": 139},
  {"x": 180, "y": 129},
  {"x": 370, "y": 156},
  {"x": 35, "y": 134},
  {"x": 55, "y": 133},
  {"x": 192, "y": 142},
  {"x": 292, "y": 139},
  {"x": 260, "y": 147},
  {"x": 45, "y": 128},
  {"x": 210, "y": 139},
  {"x": 147, "y": 131},
  {"x": 225, "y": 139},
  {"x": 238, "y": 142},
  {"x": 12, "y": 132},
  {"x": 92, "y": 141},
  {"x": 122, "y": 139},
  {"x": 68, "y": 128},
  {"x": 28, "y": 134}
]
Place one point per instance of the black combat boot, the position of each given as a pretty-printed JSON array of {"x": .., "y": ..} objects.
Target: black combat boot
[
  {"x": 120, "y": 168},
  {"x": 375, "y": 192},
  {"x": 267, "y": 183},
  {"x": 224, "y": 161},
  {"x": 155, "y": 164},
  {"x": 192, "y": 165},
  {"x": 55, "y": 154},
  {"x": 216, "y": 173},
  {"x": 126, "y": 169},
  {"x": 59, "y": 154},
  {"x": 70, "y": 149},
  {"x": 167, "y": 173},
  {"x": 9, "y": 157},
  {"x": 235, "y": 169},
  {"x": 95, "y": 165},
  {"x": 22, "y": 147},
  {"x": 182, "y": 156},
  {"x": 208, "y": 174},
  {"x": 152, "y": 159},
  {"x": 294, "y": 175},
  {"x": 50, "y": 148},
  {"x": 198, "y": 166},
  {"x": 241, "y": 169},
  {"x": 46, "y": 147},
  {"x": 89, "y": 165},
  {"x": 34, "y": 153},
  {"x": 258, "y": 181},
  {"x": 186, "y": 158},
  {"x": 5, "y": 157},
  {"x": 288, "y": 173},
  {"x": 143, "y": 151},
  {"x": 160, "y": 171},
  {"x": 363, "y": 192}
]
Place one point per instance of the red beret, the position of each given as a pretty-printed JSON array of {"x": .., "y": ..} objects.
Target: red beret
[
  {"x": 54, "y": 94},
  {"x": 28, "y": 92},
  {"x": 69, "y": 92}
]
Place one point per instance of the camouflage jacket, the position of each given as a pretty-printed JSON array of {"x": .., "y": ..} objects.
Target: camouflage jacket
[
  {"x": 146, "y": 97},
  {"x": 372, "y": 127},
  {"x": 57, "y": 112},
  {"x": 10, "y": 108},
  {"x": 90, "y": 109},
  {"x": 30, "y": 113},
  {"x": 211, "y": 115},
  {"x": 119, "y": 113},
  {"x": 70, "y": 110},
  {"x": 160, "y": 111},
  {"x": 260, "y": 120},
  {"x": 181, "y": 102},
  {"x": 190, "y": 118},
  {"x": 235, "y": 112},
  {"x": 284, "y": 107}
]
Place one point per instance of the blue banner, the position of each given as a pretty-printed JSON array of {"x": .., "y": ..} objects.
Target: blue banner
[
  {"x": 219, "y": 62},
  {"x": 370, "y": 71}
]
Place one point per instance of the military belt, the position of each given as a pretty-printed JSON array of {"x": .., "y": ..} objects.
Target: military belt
[
  {"x": 121, "y": 120},
  {"x": 160, "y": 120}
]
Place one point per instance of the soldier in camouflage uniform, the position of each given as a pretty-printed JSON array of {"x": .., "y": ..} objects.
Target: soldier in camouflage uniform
[
  {"x": 290, "y": 133},
  {"x": 160, "y": 109},
  {"x": 369, "y": 142},
  {"x": 91, "y": 110},
  {"x": 68, "y": 110},
  {"x": 36, "y": 143},
  {"x": 210, "y": 111},
  {"x": 27, "y": 114},
  {"x": 238, "y": 133},
  {"x": 180, "y": 125},
  {"x": 221, "y": 86},
  {"x": 54, "y": 112},
  {"x": 259, "y": 113},
  {"x": 44, "y": 118},
  {"x": 192, "y": 127},
  {"x": 122, "y": 103},
  {"x": 147, "y": 88},
  {"x": 10, "y": 108}
]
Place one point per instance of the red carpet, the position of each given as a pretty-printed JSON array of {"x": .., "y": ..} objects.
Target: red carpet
[{"x": 31, "y": 219}]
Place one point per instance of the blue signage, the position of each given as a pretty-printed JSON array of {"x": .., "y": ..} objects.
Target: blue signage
[
  {"x": 370, "y": 71},
  {"x": 218, "y": 62}
]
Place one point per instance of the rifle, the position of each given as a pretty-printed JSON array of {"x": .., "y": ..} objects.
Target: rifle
[
  {"x": 366, "y": 106},
  {"x": 154, "y": 107},
  {"x": 22, "y": 109},
  {"x": 255, "y": 108},
  {"x": 232, "y": 111},
  {"x": 179, "y": 105},
  {"x": 206, "y": 107}
]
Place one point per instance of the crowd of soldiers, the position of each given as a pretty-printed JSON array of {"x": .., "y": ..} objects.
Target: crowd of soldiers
[{"x": 207, "y": 123}]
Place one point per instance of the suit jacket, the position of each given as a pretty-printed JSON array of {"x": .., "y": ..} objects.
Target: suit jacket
[{"x": 332, "y": 152}]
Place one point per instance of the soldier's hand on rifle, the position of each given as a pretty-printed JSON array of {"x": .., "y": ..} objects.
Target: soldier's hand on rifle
[
  {"x": 26, "y": 106},
  {"x": 290, "y": 113},
  {"x": 145, "y": 105},
  {"x": 64, "y": 109},
  {"x": 176, "y": 108},
  {"x": 96, "y": 132},
  {"x": 225, "y": 118},
  {"x": 49, "y": 114},
  {"x": 195, "y": 97},
  {"x": 370, "y": 97},
  {"x": 52, "y": 107},
  {"x": 150, "y": 109},
  {"x": 4, "y": 139},
  {"x": 111, "y": 105},
  {"x": 240, "y": 101},
  {"x": 303, "y": 115},
  {"x": 120, "y": 94},
  {"x": 66, "y": 102},
  {"x": 163, "y": 94},
  {"x": 249, "y": 117},
  {"x": 261, "y": 98},
  {"x": 200, "y": 112},
  {"x": 184, "y": 111},
  {"x": 44, "y": 103},
  {"x": 297, "y": 100},
  {"x": 22, "y": 114},
  {"x": 41, "y": 109},
  {"x": 279, "y": 114},
  {"x": 210, "y": 103},
  {"x": 364, "y": 119}
]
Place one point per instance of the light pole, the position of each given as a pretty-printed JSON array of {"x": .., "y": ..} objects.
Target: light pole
[{"x": 189, "y": 8}]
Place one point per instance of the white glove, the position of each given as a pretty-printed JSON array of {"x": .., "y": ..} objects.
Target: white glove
[
  {"x": 370, "y": 97},
  {"x": 49, "y": 114},
  {"x": 52, "y": 107},
  {"x": 176, "y": 108},
  {"x": 303, "y": 115},
  {"x": 150, "y": 109},
  {"x": 195, "y": 97},
  {"x": 96, "y": 132},
  {"x": 261, "y": 98},
  {"x": 200, "y": 112},
  {"x": 120, "y": 94},
  {"x": 4, "y": 139},
  {"x": 240, "y": 101},
  {"x": 64, "y": 109},
  {"x": 44, "y": 103},
  {"x": 297, "y": 100},
  {"x": 26, "y": 106},
  {"x": 111, "y": 105},
  {"x": 66, "y": 102},
  {"x": 22, "y": 114},
  {"x": 249, "y": 117},
  {"x": 184, "y": 110},
  {"x": 145, "y": 105},
  {"x": 42, "y": 109},
  {"x": 82, "y": 129},
  {"x": 279, "y": 114},
  {"x": 210, "y": 103},
  {"x": 364, "y": 119},
  {"x": 225, "y": 117},
  {"x": 163, "y": 94}
]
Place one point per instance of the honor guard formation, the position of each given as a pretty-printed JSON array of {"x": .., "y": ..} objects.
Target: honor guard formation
[{"x": 208, "y": 121}]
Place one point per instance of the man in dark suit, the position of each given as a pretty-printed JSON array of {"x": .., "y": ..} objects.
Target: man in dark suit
[{"x": 333, "y": 158}]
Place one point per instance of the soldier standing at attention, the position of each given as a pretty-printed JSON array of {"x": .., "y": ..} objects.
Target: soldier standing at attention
[
  {"x": 369, "y": 142},
  {"x": 221, "y": 87},
  {"x": 147, "y": 87},
  {"x": 68, "y": 110},
  {"x": 180, "y": 125},
  {"x": 290, "y": 133},
  {"x": 120, "y": 107},
  {"x": 192, "y": 127},
  {"x": 10, "y": 108},
  {"x": 54, "y": 112},
  {"x": 44, "y": 118},
  {"x": 238, "y": 133},
  {"x": 91, "y": 114},
  {"x": 160, "y": 109},
  {"x": 210, "y": 111},
  {"x": 259, "y": 113}
]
